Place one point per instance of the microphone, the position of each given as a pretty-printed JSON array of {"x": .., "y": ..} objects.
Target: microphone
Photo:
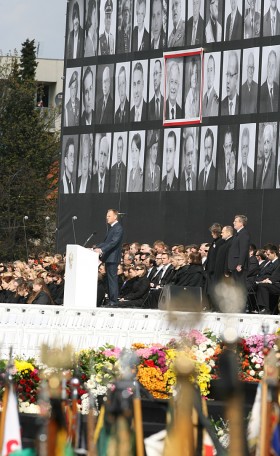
[
  {"x": 121, "y": 213},
  {"x": 74, "y": 218},
  {"x": 25, "y": 237},
  {"x": 89, "y": 238},
  {"x": 47, "y": 218}
]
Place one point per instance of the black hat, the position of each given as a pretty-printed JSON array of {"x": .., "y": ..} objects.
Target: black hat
[
  {"x": 154, "y": 139},
  {"x": 73, "y": 78},
  {"x": 108, "y": 6}
]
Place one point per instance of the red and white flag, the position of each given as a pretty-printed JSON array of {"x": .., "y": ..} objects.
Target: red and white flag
[{"x": 10, "y": 436}]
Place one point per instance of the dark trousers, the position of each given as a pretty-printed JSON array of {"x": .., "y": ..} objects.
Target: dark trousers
[
  {"x": 112, "y": 279},
  {"x": 268, "y": 293}
]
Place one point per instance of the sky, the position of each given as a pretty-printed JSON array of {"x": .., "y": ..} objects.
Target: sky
[{"x": 42, "y": 20}]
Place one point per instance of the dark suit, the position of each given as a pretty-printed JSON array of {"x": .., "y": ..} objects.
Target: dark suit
[
  {"x": 249, "y": 98},
  {"x": 144, "y": 46},
  {"x": 166, "y": 276},
  {"x": 173, "y": 187},
  {"x": 122, "y": 116},
  {"x": 268, "y": 180},
  {"x": 199, "y": 31},
  {"x": 83, "y": 118},
  {"x": 111, "y": 255},
  {"x": 71, "y": 118},
  {"x": 221, "y": 263},
  {"x": 162, "y": 40},
  {"x": 267, "y": 24},
  {"x": 236, "y": 29},
  {"x": 88, "y": 186},
  {"x": 249, "y": 31},
  {"x": 265, "y": 291},
  {"x": 266, "y": 104},
  {"x": 238, "y": 255},
  {"x": 225, "y": 106},
  {"x": 107, "y": 116},
  {"x": 104, "y": 48},
  {"x": 118, "y": 174},
  {"x": 210, "y": 184},
  {"x": 80, "y": 50},
  {"x": 95, "y": 183},
  {"x": 152, "y": 184},
  {"x": 249, "y": 179},
  {"x": 183, "y": 182},
  {"x": 143, "y": 114},
  {"x": 152, "y": 108},
  {"x": 178, "y": 114}
]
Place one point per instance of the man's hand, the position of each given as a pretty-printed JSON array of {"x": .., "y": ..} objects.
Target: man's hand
[
  {"x": 266, "y": 281},
  {"x": 99, "y": 251},
  {"x": 239, "y": 268}
]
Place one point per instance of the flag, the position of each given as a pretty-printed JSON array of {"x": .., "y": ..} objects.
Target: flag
[{"x": 10, "y": 436}]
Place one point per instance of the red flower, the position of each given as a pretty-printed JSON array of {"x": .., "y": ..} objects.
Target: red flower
[{"x": 149, "y": 363}]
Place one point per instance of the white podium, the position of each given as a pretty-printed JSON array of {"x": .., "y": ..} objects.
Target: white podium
[{"x": 81, "y": 273}]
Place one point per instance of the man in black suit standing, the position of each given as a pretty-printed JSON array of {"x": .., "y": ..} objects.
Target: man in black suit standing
[
  {"x": 104, "y": 110},
  {"x": 271, "y": 22},
  {"x": 195, "y": 26},
  {"x": 245, "y": 175},
  {"x": 75, "y": 41},
  {"x": 173, "y": 110},
  {"x": 270, "y": 89},
  {"x": 110, "y": 252},
  {"x": 158, "y": 35},
  {"x": 118, "y": 170},
  {"x": 230, "y": 104},
  {"x": 221, "y": 264},
  {"x": 138, "y": 111},
  {"x": 140, "y": 36},
  {"x": 234, "y": 23},
  {"x": 206, "y": 180},
  {"x": 238, "y": 255},
  {"x": 249, "y": 90},
  {"x": 122, "y": 113},
  {"x": 266, "y": 174},
  {"x": 156, "y": 104}
]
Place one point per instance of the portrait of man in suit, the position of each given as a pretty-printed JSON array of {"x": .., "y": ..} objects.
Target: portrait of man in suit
[
  {"x": 152, "y": 170},
  {"x": 135, "y": 178},
  {"x": 155, "y": 111},
  {"x": 213, "y": 29},
  {"x": 138, "y": 111},
  {"x": 271, "y": 21},
  {"x": 83, "y": 183},
  {"x": 174, "y": 83},
  {"x": 193, "y": 83},
  {"x": 67, "y": 182},
  {"x": 245, "y": 174},
  {"x": 75, "y": 40},
  {"x": 266, "y": 172},
  {"x": 195, "y": 25},
  {"x": 140, "y": 36},
  {"x": 249, "y": 90},
  {"x": 122, "y": 112},
  {"x": 118, "y": 170},
  {"x": 227, "y": 160},
  {"x": 177, "y": 35},
  {"x": 72, "y": 108},
  {"x": 210, "y": 102},
  {"x": 230, "y": 104},
  {"x": 91, "y": 27},
  {"x": 189, "y": 162},
  {"x": 252, "y": 21},
  {"x": 100, "y": 180},
  {"x": 104, "y": 109},
  {"x": 124, "y": 29},
  {"x": 170, "y": 180},
  {"x": 88, "y": 89},
  {"x": 206, "y": 179},
  {"x": 158, "y": 35},
  {"x": 106, "y": 39},
  {"x": 269, "y": 96},
  {"x": 233, "y": 26}
]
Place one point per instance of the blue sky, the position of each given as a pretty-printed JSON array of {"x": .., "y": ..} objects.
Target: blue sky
[{"x": 43, "y": 20}]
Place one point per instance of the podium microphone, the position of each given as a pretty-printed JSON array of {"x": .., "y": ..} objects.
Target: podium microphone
[
  {"x": 25, "y": 237},
  {"x": 121, "y": 213},
  {"x": 74, "y": 218},
  {"x": 89, "y": 238}
]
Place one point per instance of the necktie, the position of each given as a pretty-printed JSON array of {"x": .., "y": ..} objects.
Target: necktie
[
  {"x": 244, "y": 181},
  {"x": 102, "y": 112},
  {"x": 157, "y": 108},
  {"x": 252, "y": 26},
  {"x": 172, "y": 113},
  {"x": 273, "y": 25},
  {"x": 271, "y": 99},
  {"x": 193, "y": 34},
  {"x": 168, "y": 187},
  {"x": 108, "y": 45},
  {"x": 264, "y": 173},
  {"x": 152, "y": 181},
  {"x": 100, "y": 186},
  {"x": 230, "y": 108},
  {"x": 230, "y": 28},
  {"x": 125, "y": 42},
  {"x": 207, "y": 100},
  {"x": 189, "y": 184},
  {"x": 205, "y": 179}
]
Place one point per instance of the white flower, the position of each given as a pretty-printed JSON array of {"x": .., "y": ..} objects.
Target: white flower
[
  {"x": 252, "y": 372},
  {"x": 257, "y": 366},
  {"x": 210, "y": 352},
  {"x": 203, "y": 346}
]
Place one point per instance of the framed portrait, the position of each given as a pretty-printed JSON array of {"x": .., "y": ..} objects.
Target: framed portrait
[
  {"x": 158, "y": 24},
  {"x": 189, "y": 158},
  {"x": 107, "y": 27},
  {"x": 69, "y": 160},
  {"x": 135, "y": 161},
  {"x": 266, "y": 155},
  {"x": 183, "y": 95},
  {"x": 100, "y": 176},
  {"x": 153, "y": 162},
  {"x": 91, "y": 29},
  {"x": 88, "y": 95},
  {"x": 214, "y": 14},
  {"x": 207, "y": 159},
  {"x": 278, "y": 165},
  {"x": 269, "y": 90},
  {"x": 105, "y": 94},
  {"x": 271, "y": 19},
  {"x": 122, "y": 84},
  {"x": 139, "y": 90},
  {"x": 233, "y": 20},
  {"x": 250, "y": 81},
  {"x": 141, "y": 26},
  {"x": 211, "y": 88},
  {"x": 246, "y": 157},
  {"x": 170, "y": 162},
  {"x": 84, "y": 177},
  {"x": 124, "y": 27},
  {"x": 72, "y": 97},
  {"x": 75, "y": 43},
  {"x": 252, "y": 19},
  {"x": 119, "y": 163},
  {"x": 195, "y": 24},
  {"x": 176, "y": 23},
  {"x": 227, "y": 157},
  {"x": 156, "y": 81},
  {"x": 230, "y": 103}
]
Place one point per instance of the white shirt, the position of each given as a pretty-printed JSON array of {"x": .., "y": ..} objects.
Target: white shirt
[
  {"x": 139, "y": 111},
  {"x": 75, "y": 45},
  {"x": 83, "y": 186},
  {"x": 233, "y": 101},
  {"x": 102, "y": 179},
  {"x": 140, "y": 37}
]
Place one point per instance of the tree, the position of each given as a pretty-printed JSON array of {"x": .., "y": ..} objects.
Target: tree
[{"x": 28, "y": 149}]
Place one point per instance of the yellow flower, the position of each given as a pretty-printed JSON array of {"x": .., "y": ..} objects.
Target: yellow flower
[{"x": 23, "y": 366}]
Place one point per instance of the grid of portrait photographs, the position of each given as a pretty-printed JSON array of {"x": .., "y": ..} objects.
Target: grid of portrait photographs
[{"x": 118, "y": 90}]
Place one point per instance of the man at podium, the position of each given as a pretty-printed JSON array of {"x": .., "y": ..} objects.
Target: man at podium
[{"x": 110, "y": 252}]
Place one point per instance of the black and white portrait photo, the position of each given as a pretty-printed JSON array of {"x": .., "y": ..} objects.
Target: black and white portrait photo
[
  {"x": 278, "y": 165},
  {"x": 174, "y": 89},
  {"x": 158, "y": 24},
  {"x": 88, "y": 95},
  {"x": 176, "y": 23},
  {"x": 246, "y": 157},
  {"x": 124, "y": 30},
  {"x": 252, "y": 19},
  {"x": 107, "y": 27},
  {"x": 140, "y": 35},
  {"x": 119, "y": 160},
  {"x": 85, "y": 160},
  {"x": 233, "y": 20},
  {"x": 230, "y": 83},
  {"x": 135, "y": 161},
  {"x": 104, "y": 94},
  {"x": 195, "y": 24},
  {"x": 91, "y": 29},
  {"x": 266, "y": 155},
  {"x": 100, "y": 179},
  {"x": 189, "y": 158},
  {"x": 250, "y": 80},
  {"x": 153, "y": 161},
  {"x": 207, "y": 159},
  {"x": 192, "y": 87},
  {"x": 156, "y": 100},
  {"x": 269, "y": 93},
  {"x": 138, "y": 97},
  {"x": 211, "y": 100},
  {"x": 213, "y": 21},
  {"x": 122, "y": 78},
  {"x": 271, "y": 20},
  {"x": 170, "y": 161},
  {"x": 72, "y": 97},
  {"x": 227, "y": 156},
  {"x": 75, "y": 29},
  {"x": 70, "y": 145}
]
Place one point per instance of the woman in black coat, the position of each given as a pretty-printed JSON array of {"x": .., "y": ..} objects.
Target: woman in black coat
[
  {"x": 41, "y": 294},
  {"x": 195, "y": 276},
  {"x": 138, "y": 293}
]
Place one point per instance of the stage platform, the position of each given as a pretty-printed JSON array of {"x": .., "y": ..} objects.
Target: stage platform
[{"x": 26, "y": 327}]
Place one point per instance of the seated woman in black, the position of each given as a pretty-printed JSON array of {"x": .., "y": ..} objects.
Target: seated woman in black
[
  {"x": 194, "y": 276},
  {"x": 181, "y": 268},
  {"x": 41, "y": 294},
  {"x": 140, "y": 288}
]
